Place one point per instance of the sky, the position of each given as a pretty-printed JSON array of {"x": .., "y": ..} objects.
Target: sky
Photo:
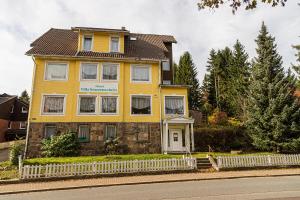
[{"x": 22, "y": 21}]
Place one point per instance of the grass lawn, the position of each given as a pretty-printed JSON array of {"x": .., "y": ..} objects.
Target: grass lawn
[
  {"x": 81, "y": 159},
  {"x": 8, "y": 171}
]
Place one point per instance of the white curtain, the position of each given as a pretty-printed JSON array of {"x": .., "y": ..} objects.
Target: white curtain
[
  {"x": 140, "y": 105},
  {"x": 53, "y": 104},
  {"x": 109, "y": 104},
  {"x": 87, "y": 104},
  {"x": 84, "y": 132},
  {"x": 89, "y": 71},
  {"x": 140, "y": 73},
  {"x": 174, "y": 105},
  {"x": 56, "y": 71},
  {"x": 114, "y": 44},
  {"x": 110, "y": 72},
  {"x": 87, "y": 44}
]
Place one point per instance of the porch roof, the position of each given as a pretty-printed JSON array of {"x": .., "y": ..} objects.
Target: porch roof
[{"x": 179, "y": 120}]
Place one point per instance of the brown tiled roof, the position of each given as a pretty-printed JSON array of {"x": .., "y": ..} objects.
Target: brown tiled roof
[{"x": 63, "y": 42}]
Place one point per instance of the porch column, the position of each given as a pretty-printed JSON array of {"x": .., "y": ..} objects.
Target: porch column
[
  {"x": 187, "y": 137},
  {"x": 166, "y": 138},
  {"x": 193, "y": 138}
]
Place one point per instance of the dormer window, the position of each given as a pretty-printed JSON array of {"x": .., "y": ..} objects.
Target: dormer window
[
  {"x": 87, "y": 42},
  {"x": 114, "y": 44}
]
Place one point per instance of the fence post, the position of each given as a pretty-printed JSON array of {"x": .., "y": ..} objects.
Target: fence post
[
  {"x": 219, "y": 162},
  {"x": 20, "y": 166},
  {"x": 269, "y": 160}
]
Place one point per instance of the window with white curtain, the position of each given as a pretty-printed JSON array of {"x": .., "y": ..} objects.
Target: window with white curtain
[
  {"x": 109, "y": 104},
  {"x": 140, "y": 105},
  {"x": 56, "y": 71},
  {"x": 110, "y": 132},
  {"x": 166, "y": 65},
  {"x": 174, "y": 105},
  {"x": 53, "y": 104},
  {"x": 87, "y": 104},
  {"x": 109, "y": 71},
  {"x": 114, "y": 44},
  {"x": 87, "y": 42},
  {"x": 89, "y": 71},
  {"x": 84, "y": 133},
  {"x": 50, "y": 130},
  {"x": 140, "y": 73}
]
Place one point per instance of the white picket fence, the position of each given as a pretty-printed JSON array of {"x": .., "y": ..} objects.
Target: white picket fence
[
  {"x": 258, "y": 161},
  {"x": 103, "y": 168}
]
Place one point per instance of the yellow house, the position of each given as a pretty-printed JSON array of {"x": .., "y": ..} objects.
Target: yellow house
[{"x": 107, "y": 83}]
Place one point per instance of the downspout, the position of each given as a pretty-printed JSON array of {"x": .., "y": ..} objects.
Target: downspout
[
  {"x": 30, "y": 107},
  {"x": 160, "y": 109}
]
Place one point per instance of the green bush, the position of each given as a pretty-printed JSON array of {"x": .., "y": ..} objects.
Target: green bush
[
  {"x": 220, "y": 139},
  {"x": 112, "y": 146},
  {"x": 14, "y": 152},
  {"x": 61, "y": 146}
]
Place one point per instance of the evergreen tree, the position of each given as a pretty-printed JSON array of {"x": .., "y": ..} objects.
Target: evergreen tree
[
  {"x": 273, "y": 111},
  {"x": 186, "y": 74},
  {"x": 24, "y": 96},
  {"x": 297, "y": 67}
]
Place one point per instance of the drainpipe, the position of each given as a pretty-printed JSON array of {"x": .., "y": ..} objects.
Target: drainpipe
[
  {"x": 30, "y": 107},
  {"x": 160, "y": 108}
]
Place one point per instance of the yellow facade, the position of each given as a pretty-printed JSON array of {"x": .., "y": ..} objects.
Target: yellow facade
[{"x": 126, "y": 88}]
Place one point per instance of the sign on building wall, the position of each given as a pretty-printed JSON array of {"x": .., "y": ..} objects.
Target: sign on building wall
[{"x": 98, "y": 87}]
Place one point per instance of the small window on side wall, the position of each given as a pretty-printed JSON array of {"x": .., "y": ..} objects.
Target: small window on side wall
[
  {"x": 84, "y": 133},
  {"x": 56, "y": 71},
  {"x": 166, "y": 65},
  {"x": 114, "y": 44},
  {"x": 174, "y": 105},
  {"x": 110, "y": 132},
  {"x": 87, "y": 42},
  {"x": 50, "y": 130},
  {"x": 140, "y": 105},
  {"x": 53, "y": 104}
]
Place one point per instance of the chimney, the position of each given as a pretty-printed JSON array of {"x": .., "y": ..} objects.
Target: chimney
[{"x": 123, "y": 28}]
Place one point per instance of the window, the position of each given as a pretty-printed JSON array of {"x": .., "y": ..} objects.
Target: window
[
  {"x": 50, "y": 131},
  {"x": 56, "y": 71},
  {"x": 23, "y": 125},
  {"x": 174, "y": 105},
  {"x": 87, "y": 104},
  {"x": 110, "y": 132},
  {"x": 84, "y": 133},
  {"x": 140, "y": 105},
  {"x": 87, "y": 43},
  {"x": 12, "y": 109},
  {"x": 24, "y": 110},
  {"x": 114, "y": 44},
  {"x": 53, "y": 104},
  {"x": 89, "y": 71},
  {"x": 109, "y": 104},
  {"x": 166, "y": 82},
  {"x": 110, "y": 72},
  {"x": 140, "y": 73},
  {"x": 9, "y": 125},
  {"x": 142, "y": 132},
  {"x": 166, "y": 65}
]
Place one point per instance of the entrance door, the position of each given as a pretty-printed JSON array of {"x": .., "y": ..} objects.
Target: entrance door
[{"x": 176, "y": 139}]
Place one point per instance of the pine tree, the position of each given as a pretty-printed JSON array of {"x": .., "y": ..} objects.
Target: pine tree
[
  {"x": 186, "y": 74},
  {"x": 297, "y": 67},
  {"x": 24, "y": 96},
  {"x": 273, "y": 111}
]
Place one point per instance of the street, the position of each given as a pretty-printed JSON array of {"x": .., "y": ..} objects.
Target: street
[{"x": 271, "y": 188}]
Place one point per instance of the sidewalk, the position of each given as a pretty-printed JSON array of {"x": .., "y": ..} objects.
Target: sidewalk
[{"x": 129, "y": 180}]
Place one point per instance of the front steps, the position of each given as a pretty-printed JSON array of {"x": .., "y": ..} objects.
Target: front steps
[{"x": 203, "y": 163}]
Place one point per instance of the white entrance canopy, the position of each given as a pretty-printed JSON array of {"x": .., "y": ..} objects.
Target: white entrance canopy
[{"x": 188, "y": 136}]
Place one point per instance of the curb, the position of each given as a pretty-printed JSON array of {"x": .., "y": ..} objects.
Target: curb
[{"x": 146, "y": 182}]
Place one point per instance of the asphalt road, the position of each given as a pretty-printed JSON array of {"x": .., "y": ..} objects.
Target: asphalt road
[
  {"x": 3, "y": 155},
  {"x": 270, "y": 188}
]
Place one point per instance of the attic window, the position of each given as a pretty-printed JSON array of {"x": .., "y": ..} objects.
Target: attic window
[{"x": 87, "y": 42}]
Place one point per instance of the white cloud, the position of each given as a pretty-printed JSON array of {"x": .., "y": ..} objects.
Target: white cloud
[{"x": 196, "y": 31}]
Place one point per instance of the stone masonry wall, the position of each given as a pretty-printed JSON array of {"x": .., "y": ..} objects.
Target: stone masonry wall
[{"x": 140, "y": 137}]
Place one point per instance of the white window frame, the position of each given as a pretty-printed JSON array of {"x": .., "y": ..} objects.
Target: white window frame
[
  {"x": 83, "y": 38},
  {"x": 22, "y": 122},
  {"x": 12, "y": 109},
  {"x": 89, "y": 136},
  {"x": 118, "y": 72},
  {"x": 141, "y": 65},
  {"x": 163, "y": 65},
  {"x": 78, "y": 104},
  {"x": 110, "y": 38},
  {"x": 184, "y": 104},
  {"x": 80, "y": 72},
  {"x": 100, "y": 105},
  {"x": 105, "y": 133},
  {"x": 45, "y": 127},
  {"x": 144, "y": 95},
  {"x": 24, "y": 110},
  {"x": 53, "y": 114},
  {"x": 56, "y": 62}
]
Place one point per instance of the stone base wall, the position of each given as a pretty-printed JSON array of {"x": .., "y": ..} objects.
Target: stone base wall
[{"x": 138, "y": 137}]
